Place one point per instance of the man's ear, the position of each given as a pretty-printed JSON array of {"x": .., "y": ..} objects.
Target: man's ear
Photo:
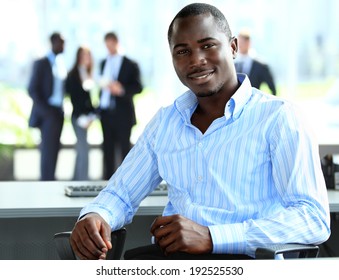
[{"x": 234, "y": 46}]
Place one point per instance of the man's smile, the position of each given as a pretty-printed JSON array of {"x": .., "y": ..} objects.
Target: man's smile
[{"x": 201, "y": 75}]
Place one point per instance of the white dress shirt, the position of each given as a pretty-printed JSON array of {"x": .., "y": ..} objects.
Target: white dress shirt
[{"x": 110, "y": 73}]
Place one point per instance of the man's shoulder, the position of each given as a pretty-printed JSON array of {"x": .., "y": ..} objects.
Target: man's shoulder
[
  {"x": 42, "y": 60},
  {"x": 129, "y": 60},
  {"x": 271, "y": 101},
  {"x": 259, "y": 62},
  {"x": 42, "y": 63}
]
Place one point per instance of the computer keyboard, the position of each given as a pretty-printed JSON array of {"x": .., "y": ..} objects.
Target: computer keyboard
[
  {"x": 83, "y": 190},
  {"x": 93, "y": 190}
]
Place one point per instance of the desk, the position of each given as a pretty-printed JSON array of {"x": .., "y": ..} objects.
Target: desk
[
  {"x": 31, "y": 212},
  {"x": 333, "y": 199},
  {"x": 48, "y": 199}
]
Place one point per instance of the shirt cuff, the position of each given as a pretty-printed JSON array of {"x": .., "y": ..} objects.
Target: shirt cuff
[
  {"x": 106, "y": 216},
  {"x": 228, "y": 239}
]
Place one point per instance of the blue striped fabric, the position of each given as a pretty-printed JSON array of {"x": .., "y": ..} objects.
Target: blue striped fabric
[{"x": 253, "y": 177}]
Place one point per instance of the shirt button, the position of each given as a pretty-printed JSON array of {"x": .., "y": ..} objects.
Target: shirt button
[
  {"x": 199, "y": 178},
  {"x": 200, "y": 145}
]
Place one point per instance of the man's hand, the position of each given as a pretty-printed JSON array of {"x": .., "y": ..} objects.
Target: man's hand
[
  {"x": 116, "y": 88},
  {"x": 91, "y": 237},
  {"x": 177, "y": 233}
]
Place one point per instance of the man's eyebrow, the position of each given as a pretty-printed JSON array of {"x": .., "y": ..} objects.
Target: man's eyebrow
[
  {"x": 182, "y": 45},
  {"x": 205, "y": 40}
]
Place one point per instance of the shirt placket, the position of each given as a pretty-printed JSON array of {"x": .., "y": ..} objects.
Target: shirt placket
[{"x": 199, "y": 170}]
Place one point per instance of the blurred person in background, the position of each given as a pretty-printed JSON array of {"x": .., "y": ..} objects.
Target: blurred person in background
[
  {"x": 79, "y": 83},
  {"x": 257, "y": 71},
  {"x": 46, "y": 88},
  {"x": 120, "y": 81}
]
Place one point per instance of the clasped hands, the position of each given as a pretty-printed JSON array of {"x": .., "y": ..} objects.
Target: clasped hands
[
  {"x": 116, "y": 88},
  {"x": 91, "y": 236}
]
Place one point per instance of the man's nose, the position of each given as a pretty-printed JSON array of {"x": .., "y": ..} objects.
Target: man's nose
[{"x": 198, "y": 58}]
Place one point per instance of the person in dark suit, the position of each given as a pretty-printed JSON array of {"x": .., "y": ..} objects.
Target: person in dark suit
[
  {"x": 79, "y": 82},
  {"x": 257, "y": 71},
  {"x": 46, "y": 88},
  {"x": 120, "y": 81}
]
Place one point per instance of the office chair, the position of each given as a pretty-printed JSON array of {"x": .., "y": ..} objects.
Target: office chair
[
  {"x": 65, "y": 251},
  {"x": 289, "y": 251}
]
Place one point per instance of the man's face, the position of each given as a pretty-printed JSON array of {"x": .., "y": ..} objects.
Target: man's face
[
  {"x": 202, "y": 54},
  {"x": 111, "y": 45},
  {"x": 244, "y": 44},
  {"x": 58, "y": 45}
]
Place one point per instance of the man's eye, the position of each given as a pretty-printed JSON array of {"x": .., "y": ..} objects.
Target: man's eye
[
  {"x": 207, "y": 46},
  {"x": 182, "y": 52}
]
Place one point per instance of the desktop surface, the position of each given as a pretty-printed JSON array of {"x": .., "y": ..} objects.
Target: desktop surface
[
  {"x": 333, "y": 199},
  {"x": 48, "y": 199}
]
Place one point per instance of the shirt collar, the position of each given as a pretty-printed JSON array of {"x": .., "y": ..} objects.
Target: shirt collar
[
  {"x": 114, "y": 56},
  {"x": 242, "y": 95},
  {"x": 187, "y": 102},
  {"x": 51, "y": 57}
]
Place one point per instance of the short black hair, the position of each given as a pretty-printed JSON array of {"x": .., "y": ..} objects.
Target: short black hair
[
  {"x": 56, "y": 36},
  {"x": 199, "y": 9},
  {"x": 112, "y": 36}
]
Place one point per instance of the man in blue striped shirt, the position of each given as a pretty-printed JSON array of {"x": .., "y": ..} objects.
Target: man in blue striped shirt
[{"x": 242, "y": 166}]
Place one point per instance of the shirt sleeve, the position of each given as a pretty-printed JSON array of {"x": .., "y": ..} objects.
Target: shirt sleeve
[
  {"x": 297, "y": 176},
  {"x": 136, "y": 177}
]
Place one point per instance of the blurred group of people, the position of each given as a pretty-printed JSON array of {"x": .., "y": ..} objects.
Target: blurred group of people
[{"x": 50, "y": 81}]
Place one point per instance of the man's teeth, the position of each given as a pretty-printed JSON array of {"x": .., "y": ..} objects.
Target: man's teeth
[{"x": 202, "y": 77}]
